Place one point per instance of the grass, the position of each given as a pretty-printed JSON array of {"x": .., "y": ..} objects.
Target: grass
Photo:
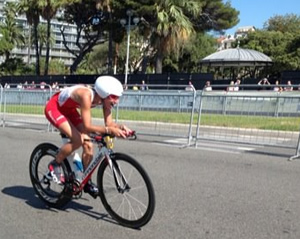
[{"x": 240, "y": 121}]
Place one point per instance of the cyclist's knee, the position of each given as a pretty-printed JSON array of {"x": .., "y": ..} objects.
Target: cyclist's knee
[
  {"x": 76, "y": 142},
  {"x": 88, "y": 147}
]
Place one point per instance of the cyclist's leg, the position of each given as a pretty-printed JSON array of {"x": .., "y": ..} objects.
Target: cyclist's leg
[
  {"x": 75, "y": 142},
  {"x": 69, "y": 119},
  {"x": 87, "y": 147},
  {"x": 87, "y": 156},
  {"x": 64, "y": 120}
]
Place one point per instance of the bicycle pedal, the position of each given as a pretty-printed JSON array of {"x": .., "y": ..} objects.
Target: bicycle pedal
[{"x": 78, "y": 195}]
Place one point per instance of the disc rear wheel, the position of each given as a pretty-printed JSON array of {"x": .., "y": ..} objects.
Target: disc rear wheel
[{"x": 52, "y": 193}]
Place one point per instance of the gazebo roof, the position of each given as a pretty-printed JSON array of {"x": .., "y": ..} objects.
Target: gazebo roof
[{"x": 237, "y": 57}]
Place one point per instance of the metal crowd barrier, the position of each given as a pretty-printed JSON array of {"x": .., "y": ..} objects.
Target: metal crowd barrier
[
  {"x": 195, "y": 112},
  {"x": 242, "y": 106},
  {"x": 1, "y": 96},
  {"x": 155, "y": 105},
  {"x": 23, "y": 107}
]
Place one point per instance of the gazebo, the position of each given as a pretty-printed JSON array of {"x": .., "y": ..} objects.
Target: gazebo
[{"x": 237, "y": 58}]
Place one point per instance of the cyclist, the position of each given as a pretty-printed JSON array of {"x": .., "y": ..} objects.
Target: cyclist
[{"x": 62, "y": 112}]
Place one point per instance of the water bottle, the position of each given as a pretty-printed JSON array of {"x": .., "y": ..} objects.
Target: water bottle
[
  {"x": 75, "y": 162},
  {"x": 77, "y": 167}
]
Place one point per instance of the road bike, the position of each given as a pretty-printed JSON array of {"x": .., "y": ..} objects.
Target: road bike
[{"x": 125, "y": 188}]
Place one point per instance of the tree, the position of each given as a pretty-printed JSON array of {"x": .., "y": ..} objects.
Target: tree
[
  {"x": 173, "y": 27},
  {"x": 15, "y": 66},
  {"x": 31, "y": 9},
  {"x": 11, "y": 33},
  {"x": 89, "y": 22},
  {"x": 94, "y": 62},
  {"x": 280, "y": 43},
  {"x": 43, "y": 38},
  {"x": 172, "y": 22},
  {"x": 198, "y": 47},
  {"x": 283, "y": 23},
  {"x": 48, "y": 9},
  {"x": 55, "y": 67},
  {"x": 215, "y": 15},
  {"x": 5, "y": 44},
  {"x": 105, "y": 6},
  {"x": 166, "y": 25},
  {"x": 294, "y": 49}
]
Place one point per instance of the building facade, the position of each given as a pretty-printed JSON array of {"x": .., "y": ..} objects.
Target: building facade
[
  {"x": 57, "y": 50},
  {"x": 225, "y": 42}
]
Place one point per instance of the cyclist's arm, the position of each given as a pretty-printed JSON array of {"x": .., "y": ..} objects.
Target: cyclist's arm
[
  {"x": 85, "y": 102},
  {"x": 110, "y": 123},
  {"x": 108, "y": 120},
  {"x": 84, "y": 99}
]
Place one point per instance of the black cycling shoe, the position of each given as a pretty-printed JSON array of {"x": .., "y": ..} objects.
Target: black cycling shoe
[{"x": 91, "y": 189}]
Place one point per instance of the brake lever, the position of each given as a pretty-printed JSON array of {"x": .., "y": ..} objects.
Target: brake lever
[{"x": 132, "y": 135}]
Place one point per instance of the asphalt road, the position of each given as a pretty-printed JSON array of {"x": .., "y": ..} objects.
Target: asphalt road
[{"x": 216, "y": 191}]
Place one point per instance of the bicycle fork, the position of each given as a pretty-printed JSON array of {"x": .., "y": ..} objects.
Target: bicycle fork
[{"x": 119, "y": 178}]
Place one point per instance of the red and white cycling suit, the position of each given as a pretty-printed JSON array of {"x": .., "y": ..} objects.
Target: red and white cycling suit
[{"x": 61, "y": 108}]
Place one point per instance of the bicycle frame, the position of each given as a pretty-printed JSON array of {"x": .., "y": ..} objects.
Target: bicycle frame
[
  {"x": 87, "y": 173},
  {"x": 102, "y": 154}
]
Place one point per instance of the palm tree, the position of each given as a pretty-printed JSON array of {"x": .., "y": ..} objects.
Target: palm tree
[
  {"x": 173, "y": 27},
  {"x": 43, "y": 37},
  {"x": 105, "y": 5},
  {"x": 12, "y": 34},
  {"x": 49, "y": 9},
  {"x": 31, "y": 10}
]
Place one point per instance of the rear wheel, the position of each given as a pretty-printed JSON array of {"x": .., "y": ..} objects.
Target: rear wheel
[
  {"x": 133, "y": 203},
  {"x": 53, "y": 194}
]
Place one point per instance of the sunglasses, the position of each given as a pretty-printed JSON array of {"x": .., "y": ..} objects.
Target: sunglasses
[{"x": 114, "y": 98}]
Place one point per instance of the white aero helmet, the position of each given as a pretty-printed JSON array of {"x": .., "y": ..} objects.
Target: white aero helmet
[{"x": 108, "y": 85}]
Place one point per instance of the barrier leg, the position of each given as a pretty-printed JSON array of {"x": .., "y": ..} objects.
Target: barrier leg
[{"x": 297, "y": 155}]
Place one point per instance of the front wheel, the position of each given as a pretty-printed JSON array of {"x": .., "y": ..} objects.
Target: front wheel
[
  {"x": 53, "y": 194},
  {"x": 126, "y": 191}
]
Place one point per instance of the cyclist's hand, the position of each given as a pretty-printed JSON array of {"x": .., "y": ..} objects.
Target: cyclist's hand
[
  {"x": 117, "y": 132},
  {"x": 126, "y": 130}
]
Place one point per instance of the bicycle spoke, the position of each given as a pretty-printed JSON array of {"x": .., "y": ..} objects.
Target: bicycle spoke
[
  {"x": 132, "y": 205},
  {"x": 136, "y": 200}
]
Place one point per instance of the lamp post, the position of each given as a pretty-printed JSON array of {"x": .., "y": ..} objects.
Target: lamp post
[{"x": 128, "y": 24}]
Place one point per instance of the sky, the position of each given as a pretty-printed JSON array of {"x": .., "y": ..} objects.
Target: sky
[{"x": 257, "y": 12}]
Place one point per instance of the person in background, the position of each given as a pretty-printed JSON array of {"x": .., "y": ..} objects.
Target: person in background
[
  {"x": 263, "y": 81},
  {"x": 289, "y": 87},
  {"x": 42, "y": 85},
  {"x": 277, "y": 87},
  {"x": 144, "y": 86},
  {"x": 231, "y": 86},
  {"x": 20, "y": 86},
  {"x": 190, "y": 87},
  {"x": 207, "y": 86},
  {"x": 237, "y": 85},
  {"x": 32, "y": 85},
  {"x": 135, "y": 87}
]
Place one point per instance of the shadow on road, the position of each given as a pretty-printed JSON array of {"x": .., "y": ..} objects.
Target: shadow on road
[{"x": 28, "y": 195}]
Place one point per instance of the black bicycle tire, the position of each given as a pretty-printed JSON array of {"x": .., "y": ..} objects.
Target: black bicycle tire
[
  {"x": 38, "y": 153},
  {"x": 151, "y": 195}
]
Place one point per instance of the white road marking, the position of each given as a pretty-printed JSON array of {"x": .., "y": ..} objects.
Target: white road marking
[{"x": 232, "y": 148}]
